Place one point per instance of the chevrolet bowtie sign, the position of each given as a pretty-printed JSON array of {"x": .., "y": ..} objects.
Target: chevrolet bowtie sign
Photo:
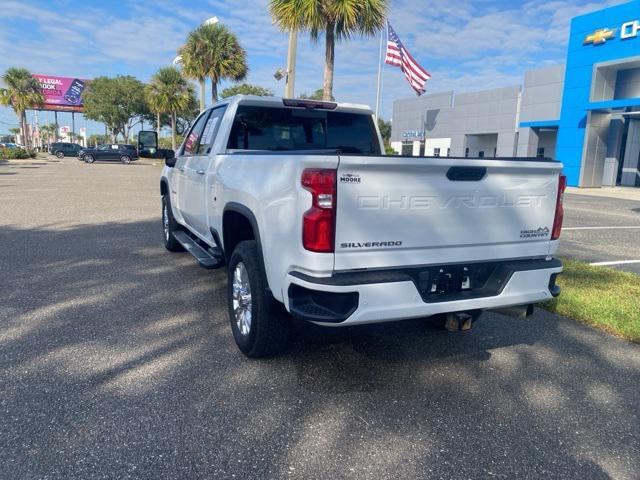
[
  {"x": 599, "y": 36},
  {"x": 628, "y": 30}
]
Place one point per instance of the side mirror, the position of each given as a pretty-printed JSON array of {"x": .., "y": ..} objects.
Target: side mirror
[
  {"x": 170, "y": 158},
  {"x": 147, "y": 143}
]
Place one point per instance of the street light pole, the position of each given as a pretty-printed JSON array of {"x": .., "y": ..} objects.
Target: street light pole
[{"x": 289, "y": 86}]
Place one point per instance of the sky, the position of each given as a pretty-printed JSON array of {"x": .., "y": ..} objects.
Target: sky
[{"x": 465, "y": 45}]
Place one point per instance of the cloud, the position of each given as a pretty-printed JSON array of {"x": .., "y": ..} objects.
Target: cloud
[{"x": 466, "y": 45}]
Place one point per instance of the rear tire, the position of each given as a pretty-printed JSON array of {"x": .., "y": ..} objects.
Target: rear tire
[
  {"x": 259, "y": 324},
  {"x": 126, "y": 159},
  {"x": 169, "y": 225}
]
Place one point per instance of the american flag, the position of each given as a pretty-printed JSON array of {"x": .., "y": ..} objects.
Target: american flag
[{"x": 398, "y": 56}]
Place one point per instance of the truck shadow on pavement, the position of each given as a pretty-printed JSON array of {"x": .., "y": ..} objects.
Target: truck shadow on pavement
[{"x": 116, "y": 359}]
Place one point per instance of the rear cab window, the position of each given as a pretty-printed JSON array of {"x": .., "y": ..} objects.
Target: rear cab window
[{"x": 290, "y": 129}]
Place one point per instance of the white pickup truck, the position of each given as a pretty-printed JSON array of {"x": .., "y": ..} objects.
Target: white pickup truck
[{"x": 310, "y": 219}]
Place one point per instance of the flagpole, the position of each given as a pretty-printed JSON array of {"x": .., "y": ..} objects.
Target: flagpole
[{"x": 379, "y": 77}]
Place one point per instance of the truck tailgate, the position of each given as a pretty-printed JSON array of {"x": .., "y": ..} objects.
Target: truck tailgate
[{"x": 398, "y": 211}]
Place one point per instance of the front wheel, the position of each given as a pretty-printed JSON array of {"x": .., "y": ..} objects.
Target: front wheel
[
  {"x": 260, "y": 326},
  {"x": 60, "y": 154},
  {"x": 89, "y": 158},
  {"x": 169, "y": 225}
]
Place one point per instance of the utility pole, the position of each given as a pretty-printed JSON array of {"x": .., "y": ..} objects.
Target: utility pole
[
  {"x": 55, "y": 116},
  {"x": 289, "y": 86},
  {"x": 37, "y": 127}
]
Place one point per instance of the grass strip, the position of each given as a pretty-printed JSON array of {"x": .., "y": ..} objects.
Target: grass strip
[{"x": 601, "y": 297}]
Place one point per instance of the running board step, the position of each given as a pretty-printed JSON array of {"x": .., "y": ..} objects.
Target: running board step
[{"x": 206, "y": 258}]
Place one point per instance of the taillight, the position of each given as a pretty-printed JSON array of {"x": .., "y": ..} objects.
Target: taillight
[
  {"x": 318, "y": 223},
  {"x": 557, "y": 222}
]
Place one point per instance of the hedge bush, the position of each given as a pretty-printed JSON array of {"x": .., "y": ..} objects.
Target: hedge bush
[{"x": 15, "y": 154}]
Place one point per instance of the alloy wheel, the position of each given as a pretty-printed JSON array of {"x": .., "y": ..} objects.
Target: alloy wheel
[
  {"x": 242, "y": 299},
  {"x": 165, "y": 222}
]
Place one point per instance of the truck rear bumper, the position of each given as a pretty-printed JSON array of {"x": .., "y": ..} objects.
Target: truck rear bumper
[{"x": 380, "y": 296}]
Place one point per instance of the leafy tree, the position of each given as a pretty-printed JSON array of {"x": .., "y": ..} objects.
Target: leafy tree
[
  {"x": 246, "y": 89},
  {"x": 117, "y": 102},
  {"x": 184, "y": 119},
  {"x": 385, "y": 130},
  {"x": 335, "y": 19},
  {"x": 213, "y": 51},
  {"x": 166, "y": 143},
  {"x": 97, "y": 139},
  {"x": 169, "y": 92},
  {"x": 15, "y": 132},
  {"x": 317, "y": 95},
  {"x": 21, "y": 92}
]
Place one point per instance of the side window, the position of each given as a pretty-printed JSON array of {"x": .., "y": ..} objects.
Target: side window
[
  {"x": 211, "y": 130},
  {"x": 192, "y": 142}
]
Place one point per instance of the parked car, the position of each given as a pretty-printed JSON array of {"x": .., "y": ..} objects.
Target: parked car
[
  {"x": 312, "y": 220},
  {"x": 124, "y": 153},
  {"x": 64, "y": 149},
  {"x": 8, "y": 145}
]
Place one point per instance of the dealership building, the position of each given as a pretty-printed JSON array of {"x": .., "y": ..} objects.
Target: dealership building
[{"x": 585, "y": 113}]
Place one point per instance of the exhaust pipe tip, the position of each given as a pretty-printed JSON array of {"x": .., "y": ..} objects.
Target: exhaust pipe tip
[{"x": 461, "y": 321}]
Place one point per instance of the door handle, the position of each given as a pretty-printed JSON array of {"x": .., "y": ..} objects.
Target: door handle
[{"x": 200, "y": 172}]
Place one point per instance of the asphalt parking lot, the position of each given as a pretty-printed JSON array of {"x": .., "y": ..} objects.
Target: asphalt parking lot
[
  {"x": 602, "y": 230},
  {"x": 116, "y": 361}
]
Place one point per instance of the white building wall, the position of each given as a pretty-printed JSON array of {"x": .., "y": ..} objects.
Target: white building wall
[
  {"x": 495, "y": 112},
  {"x": 432, "y": 143},
  {"x": 542, "y": 94}
]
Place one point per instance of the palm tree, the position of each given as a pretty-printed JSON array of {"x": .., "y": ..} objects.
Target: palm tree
[
  {"x": 169, "y": 92},
  {"x": 21, "y": 92},
  {"x": 213, "y": 51},
  {"x": 337, "y": 19},
  {"x": 48, "y": 131},
  {"x": 192, "y": 58}
]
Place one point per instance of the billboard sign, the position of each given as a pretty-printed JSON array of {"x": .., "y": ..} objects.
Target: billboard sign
[{"x": 61, "y": 93}]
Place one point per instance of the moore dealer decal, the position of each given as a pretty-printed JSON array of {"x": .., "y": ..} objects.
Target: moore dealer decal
[
  {"x": 349, "y": 178},
  {"x": 538, "y": 233},
  {"x": 392, "y": 243}
]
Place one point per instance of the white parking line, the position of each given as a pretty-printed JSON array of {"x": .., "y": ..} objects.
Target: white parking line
[
  {"x": 619, "y": 262},
  {"x": 600, "y": 228}
]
